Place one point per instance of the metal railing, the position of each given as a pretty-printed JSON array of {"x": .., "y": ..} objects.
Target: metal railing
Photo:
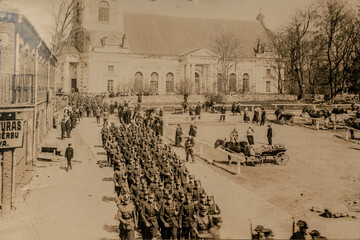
[{"x": 16, "y": 89}]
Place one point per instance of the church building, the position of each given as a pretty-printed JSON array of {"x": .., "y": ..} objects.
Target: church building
[{"x": 115, "y": 51}]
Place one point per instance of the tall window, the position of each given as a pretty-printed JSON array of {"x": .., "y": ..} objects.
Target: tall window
[
  {"x": 138, "y": 85},
  {"x": 219, "y": 82},
  {"x": 169, "y": 82},
  {"x": 104, "y": 12},
  {"x": 111, "y": 68},
  {"x": 110, "y": 86},
  {"x": 268, "y": 86},
  {"x": 154, "y": 82},
  {"x": 268, "y": 72},
  {"x": 232, "y": 83},
  {"x": 246, "y": 82}
]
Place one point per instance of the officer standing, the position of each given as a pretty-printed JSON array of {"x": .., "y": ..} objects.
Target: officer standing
[
  {"x": 69, "y": 154},
  {"x": 250, "y": 135},
  {"x": 223, "y": 112},
  {"x": 189, "y": 144}
]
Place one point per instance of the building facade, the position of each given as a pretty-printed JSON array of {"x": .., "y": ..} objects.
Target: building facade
[
  {"x": 127, "y": 52},
  {"x": 27, "y": 97}
]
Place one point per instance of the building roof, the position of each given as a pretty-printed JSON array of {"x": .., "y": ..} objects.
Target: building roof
[{"x": 168, "y": 35}]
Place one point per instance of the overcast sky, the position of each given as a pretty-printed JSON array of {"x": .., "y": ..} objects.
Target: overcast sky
[{"x": 276, "y": 11}]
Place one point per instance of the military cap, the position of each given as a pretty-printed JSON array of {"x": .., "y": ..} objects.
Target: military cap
[
  {"x": 259, "y": 228},
  {"x": 267, "y": 232},
  {"x": 181, "y": 194},
  {"x": 203, "y": 195},
  {"x": 191, "y": 176},
  {"x": 302, "y": 224},
  {"x": 314, "y": 233}
]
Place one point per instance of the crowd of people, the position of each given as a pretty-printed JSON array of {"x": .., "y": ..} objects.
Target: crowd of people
[{"x": 157, "y": 196}]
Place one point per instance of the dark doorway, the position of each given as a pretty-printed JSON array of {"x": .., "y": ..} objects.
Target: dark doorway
[{"x": 73, "y": 85}]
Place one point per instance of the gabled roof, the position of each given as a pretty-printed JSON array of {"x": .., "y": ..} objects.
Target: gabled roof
[{"x": 167, "y": 35}]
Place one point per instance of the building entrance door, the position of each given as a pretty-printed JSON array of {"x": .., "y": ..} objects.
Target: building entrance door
[
  {"x": 197, "y": 83},
  {"x": 74, "y": 85}
]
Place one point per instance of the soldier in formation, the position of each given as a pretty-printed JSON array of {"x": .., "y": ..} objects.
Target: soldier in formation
[{"x": 157, "y": 196}]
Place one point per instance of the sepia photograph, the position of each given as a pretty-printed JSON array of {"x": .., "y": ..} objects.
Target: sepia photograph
[{"x": 179, "y": 119}]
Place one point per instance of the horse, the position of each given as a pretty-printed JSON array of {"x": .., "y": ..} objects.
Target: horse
[
  {"x": 238, "y": 147},
  {"x": 315, "y": 114}
]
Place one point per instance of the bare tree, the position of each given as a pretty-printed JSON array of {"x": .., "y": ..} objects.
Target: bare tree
[
  {"x": 338, "y": 30},
  {"x": 227, "y": 46},
  {"x": 65, "y": 12},
  {"x": 184, "y": 87}
]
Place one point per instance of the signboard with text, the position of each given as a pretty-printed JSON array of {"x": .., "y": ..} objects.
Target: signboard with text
[{"x": 11, "y": 133}]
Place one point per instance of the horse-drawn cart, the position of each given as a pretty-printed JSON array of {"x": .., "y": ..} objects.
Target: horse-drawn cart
[
  {"x": 287, "y": 118},
  {"x": 277, "y": 152}
]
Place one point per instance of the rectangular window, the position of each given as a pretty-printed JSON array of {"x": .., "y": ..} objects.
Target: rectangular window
[
  {"x": 268, "y": 86},
  {"x": 110, "y": 68},
  {"x": 268, "y": 72},
  {"x": 110, "y": 86},
  {"x": 103, "y": 14}
]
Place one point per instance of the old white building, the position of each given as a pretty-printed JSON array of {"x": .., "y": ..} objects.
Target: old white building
[{"x": 117, "y": 51}]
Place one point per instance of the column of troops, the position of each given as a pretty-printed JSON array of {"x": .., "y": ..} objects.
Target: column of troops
[{"x": 157, "y": 196}]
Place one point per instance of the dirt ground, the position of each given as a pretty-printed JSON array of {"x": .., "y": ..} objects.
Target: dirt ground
[{"x": 323, "y": 171}]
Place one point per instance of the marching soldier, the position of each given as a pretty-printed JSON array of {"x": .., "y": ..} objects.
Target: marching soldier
[
  {"x": 203, "y": 223},
  {"x": 301, "y": 233},
  {"x": 127, "y": 217},
  {"x": 187, "y": 217},
  {"x": 168, "y": 217}
]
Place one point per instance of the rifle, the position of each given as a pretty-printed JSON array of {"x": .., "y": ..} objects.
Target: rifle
[
  {"x": 293, "y": 225},
  {"x": 251, "y": 231}
]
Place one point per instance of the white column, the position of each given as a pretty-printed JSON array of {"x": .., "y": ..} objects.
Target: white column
[
  {"x": 192, "y": 77},
  {"x": 66, "y": 76},
  {"x": 187, "y": 71}
]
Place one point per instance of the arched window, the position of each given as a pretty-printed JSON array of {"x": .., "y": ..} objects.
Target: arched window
[
  {"x": 232, "y": 83},
  {"x": 104, "y": 12},
  {"x": 154, "y": 82},
  {"x": 219, "y": 82},
  {"x": 246, "y": 82},
  {"x": 138, "y": 83},
  {"x": 169, "y": 82}
]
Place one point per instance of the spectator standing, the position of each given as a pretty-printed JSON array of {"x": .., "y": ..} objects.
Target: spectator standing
[
  {"x": 269, "y": 134},
  {"x": 263, "y": 116},
  {"x": 69, "y": 154},
  {"x": 63, "y": 128},
  {"x": 198, "y": 110},
  {"x": 246, "y": 115},
  {"x": 178, "y": 135},
  {"x": 223, "y": 112},
  {"x": 250, "y": 135}
]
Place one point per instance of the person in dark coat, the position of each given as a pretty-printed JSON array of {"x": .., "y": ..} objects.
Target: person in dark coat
[
  {"x": 192, "y": 130},
  {"x": 198, "y": 110},
  {"x": 233, "y": 108},
  {"x": 263, "y": 116},
  {"x": 69, "y": 154},
  {"x": 223, "y": 112},
  {"x": 68, "y": 127},
  {"x": 300, "y": 234},
  {"x": 269, "y": 134},
  {"x": 63, "y": 128},
  {"x": 178, "y": 135}
]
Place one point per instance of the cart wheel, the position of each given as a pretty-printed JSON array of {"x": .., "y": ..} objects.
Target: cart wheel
[
  {"x": 282, "y": 158},
  {"x": 282, "y": 120},
  {"x": 259, "y": 159},
  {"x": 292, "y": 121}
]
